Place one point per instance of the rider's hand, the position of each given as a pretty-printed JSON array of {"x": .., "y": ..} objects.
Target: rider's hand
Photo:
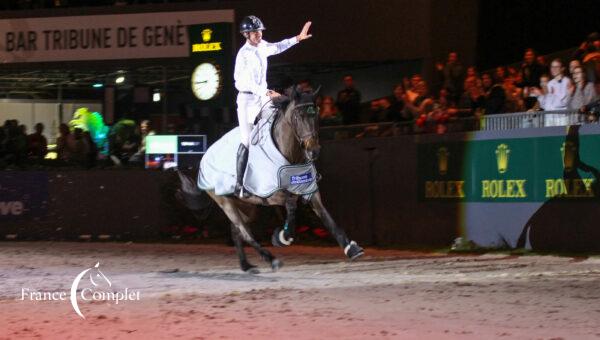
[
  {"x": 304, "y": 33},
  {"x": 273, "y": 94}
]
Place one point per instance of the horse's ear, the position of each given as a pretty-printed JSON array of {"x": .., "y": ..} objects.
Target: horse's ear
[{"x": 316, "y": 92}]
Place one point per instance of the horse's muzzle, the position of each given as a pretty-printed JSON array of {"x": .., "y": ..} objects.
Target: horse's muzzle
[{"x": 311, "y": 149}]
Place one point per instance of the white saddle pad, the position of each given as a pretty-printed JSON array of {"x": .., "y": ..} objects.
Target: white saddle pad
[{"x": 267, "y": 171}]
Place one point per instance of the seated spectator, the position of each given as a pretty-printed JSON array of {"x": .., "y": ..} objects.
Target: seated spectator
[
  {"x": 514, "y": 97},
  {"x": 500, "y": 75},
  {"x": 328, "y": 112},
  {"x": 472, "y": 72},
  {"x": 375, "y": 112},
  {"x": 423, "y": 104},
  {"x": 411, "y": 89},
  {"x": 473, "y": 99},
  {"x": 398, "y": 111},
  {"x": 37, "y": 143},
  {"x": 583, "y": 92},
  {"x": 513, "y": 75},
  {"x": 348, "y": 101}
]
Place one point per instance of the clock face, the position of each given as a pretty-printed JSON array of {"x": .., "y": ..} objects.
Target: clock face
[{"x": 206, "y": 81}]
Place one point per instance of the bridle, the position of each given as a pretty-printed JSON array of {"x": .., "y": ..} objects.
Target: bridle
[{"x": 312, "y": 110}]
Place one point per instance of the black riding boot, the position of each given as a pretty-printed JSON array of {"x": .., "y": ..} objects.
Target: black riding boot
[{"x": 242, "y": 161}]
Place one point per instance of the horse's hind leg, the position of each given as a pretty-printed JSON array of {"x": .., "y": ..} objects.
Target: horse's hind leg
[
  {"x": 351, "y": 249},
  {"x": 265, "y": 254},
  {"x": 237, "y": 219},
  {"x": 239, "y": 249}
]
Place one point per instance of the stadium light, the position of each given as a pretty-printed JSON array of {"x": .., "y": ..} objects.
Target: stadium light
[
  {"x": 120, "y": 80},
  {"x": 156, "y": 97},
  {"x": 98, "y": 85}
]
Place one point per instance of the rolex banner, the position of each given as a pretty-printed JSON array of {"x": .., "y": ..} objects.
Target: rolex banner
[
  {"x": 507, "y": 186},
  {"x": 509, "y": 170}
]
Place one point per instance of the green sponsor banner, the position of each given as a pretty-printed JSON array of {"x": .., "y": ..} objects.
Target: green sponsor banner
[{"x": 532, "y": 169}]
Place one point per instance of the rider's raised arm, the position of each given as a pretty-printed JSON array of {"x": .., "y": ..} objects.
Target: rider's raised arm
[
  {"x": 246, "y": 75},
  {"x": 278, "y": 47}
]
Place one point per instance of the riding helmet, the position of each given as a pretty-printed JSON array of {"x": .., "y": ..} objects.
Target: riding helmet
[{"x": 251, "y": 23}]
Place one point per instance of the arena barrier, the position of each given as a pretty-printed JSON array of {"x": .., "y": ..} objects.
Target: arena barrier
[
  {"x": 86, "y": 204},
  {"x": 534, "y": 188},
  {"x": 502, "y": 121}
]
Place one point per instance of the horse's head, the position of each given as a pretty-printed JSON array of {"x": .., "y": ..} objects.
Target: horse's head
[{"x": 303, "y": 115}]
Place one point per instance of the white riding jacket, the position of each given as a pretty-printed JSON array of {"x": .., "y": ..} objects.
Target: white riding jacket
[{"x": 250, "y": 73}]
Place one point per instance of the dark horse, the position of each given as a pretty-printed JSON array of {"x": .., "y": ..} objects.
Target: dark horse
[{"x": 295, "y": 133}]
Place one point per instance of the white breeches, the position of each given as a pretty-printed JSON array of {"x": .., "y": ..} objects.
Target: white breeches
[{"x": 248, "y": 107}]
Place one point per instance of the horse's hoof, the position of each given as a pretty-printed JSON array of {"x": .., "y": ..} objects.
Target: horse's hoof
[
  {"x": 276, "y": 264},
  {"x": 278, "y": 238},
  {"x": 353, "y": 251},
  {"x": 252, "y": 270}
]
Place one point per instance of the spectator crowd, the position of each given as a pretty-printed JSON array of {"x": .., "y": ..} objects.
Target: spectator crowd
[
  {"x": 464, "y": 92},
  {"x": 74, "y": 146}
]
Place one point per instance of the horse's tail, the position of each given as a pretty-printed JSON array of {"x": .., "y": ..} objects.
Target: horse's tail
[{"x": 190, "y": 195}]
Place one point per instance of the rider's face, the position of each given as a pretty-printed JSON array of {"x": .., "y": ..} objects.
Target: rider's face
[{"x": 254, "y": 37}]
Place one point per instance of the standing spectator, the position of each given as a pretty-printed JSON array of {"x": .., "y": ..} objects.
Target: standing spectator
[
  {"x": 572, "y": 65},
  {"x": 557, "y": 97},
  {"x": 38, "y": 144},
  {"x": 542, "y": 61},
  {"x": 589, "y": 54},
  {"x": 92, "y": 150},
  {"x": 79, "y": 147},
  {"x": 494, "y": 95},
  {"x": 348, "y": 101},
  {"x": 63, "y": 149},
  {"x": 583, "y": 92},
  {"x": 452, "y": 75},
  {"x": 145, "y": 131},
  {"x": 531, "y": 70}
]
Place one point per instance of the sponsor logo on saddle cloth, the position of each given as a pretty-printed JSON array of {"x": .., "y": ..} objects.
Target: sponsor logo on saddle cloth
[{"x": 303, "y": 178}]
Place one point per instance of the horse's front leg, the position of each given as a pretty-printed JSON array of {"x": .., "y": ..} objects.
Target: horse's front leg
[
  {"x": 351, "y": 249},
  {"x": 285, "y": 236},
  {"x": 239, "y": 249}
]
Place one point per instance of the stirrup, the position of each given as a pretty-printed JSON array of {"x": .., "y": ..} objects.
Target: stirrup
[{"x": 241, "y": 192}]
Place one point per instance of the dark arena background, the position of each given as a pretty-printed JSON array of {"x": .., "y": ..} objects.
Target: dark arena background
[{"x": 455, "y": 194}]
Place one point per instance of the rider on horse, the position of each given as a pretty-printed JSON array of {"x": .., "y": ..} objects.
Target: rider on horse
[{"x": 250, "y": 77}]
